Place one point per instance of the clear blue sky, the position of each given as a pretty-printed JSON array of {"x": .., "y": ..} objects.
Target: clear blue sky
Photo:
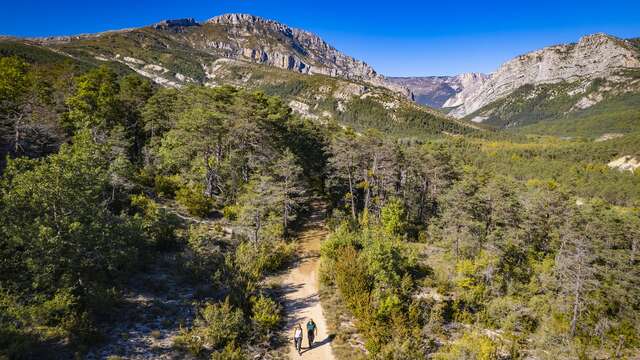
[{"x": 397, "y": 37}]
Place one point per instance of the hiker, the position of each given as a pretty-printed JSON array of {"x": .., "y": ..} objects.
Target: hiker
[
  {"x": 312, "y": 331},
  {"x": 297, "y": 338}
]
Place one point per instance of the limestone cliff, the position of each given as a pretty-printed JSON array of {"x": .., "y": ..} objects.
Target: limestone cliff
[
  {"x": 596, "y": 56},
  {"x": 263, "y": 41}
]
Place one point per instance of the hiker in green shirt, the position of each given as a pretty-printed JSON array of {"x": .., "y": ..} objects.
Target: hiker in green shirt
[{"x": 312, "y": 331}]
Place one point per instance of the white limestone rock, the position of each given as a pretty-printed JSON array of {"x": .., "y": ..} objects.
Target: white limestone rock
[{"x": 594, "y": 56}]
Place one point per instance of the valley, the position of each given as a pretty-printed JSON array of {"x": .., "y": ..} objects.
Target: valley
[{"x": 194, "y": 189}]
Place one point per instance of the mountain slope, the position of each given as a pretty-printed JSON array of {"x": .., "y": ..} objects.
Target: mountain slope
[
  {"x": 324, "y": 99},
  {"x": 316, "y": 80},
  {"x": 553, "y": 83},
  {"x": 160, "y": 48}
]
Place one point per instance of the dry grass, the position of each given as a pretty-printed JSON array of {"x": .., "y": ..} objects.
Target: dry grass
[{"x": 347, "y": 343}]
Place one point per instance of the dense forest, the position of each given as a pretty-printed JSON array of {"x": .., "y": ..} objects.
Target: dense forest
[{"x": 483, "y": 246}]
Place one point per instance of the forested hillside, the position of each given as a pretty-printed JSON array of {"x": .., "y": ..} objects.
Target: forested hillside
[
  {"x": 447, "y": 241},
  {"x": 107, "y": 174}
]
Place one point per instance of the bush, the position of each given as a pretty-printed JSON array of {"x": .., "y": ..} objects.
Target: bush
[
  {"x": 194, "y": 200},
  {"x": 509, "y": 314},
  {"x": 189, "y": 341},
  {"x": 471, "y": 346},
  {"x": 205, "y": 256},
  {"x": 230, "y": 352},
  {"x": 230, "y": 212},
  {"x": 220, "y": 324},
  {"x": 167, "y": 185},
  {"x": 266, "y": 312},
  {"x": 257, "y": 260},
  {"x": 158, "y": 224}
]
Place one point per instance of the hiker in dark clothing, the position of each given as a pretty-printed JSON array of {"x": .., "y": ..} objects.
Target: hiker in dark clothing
[{"x": 312, "y": 331}]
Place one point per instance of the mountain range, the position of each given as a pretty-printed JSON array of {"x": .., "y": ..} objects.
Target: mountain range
[
  {"x": 554, "y": 83},
  {"x": 561, "y": 83}
]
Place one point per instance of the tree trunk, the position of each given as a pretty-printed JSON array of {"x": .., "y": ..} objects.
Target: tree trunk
[
  {"x": 286, "y": 205},
  {"x": 256, "y": 232},
  {"x": 353, "y": 197},
  {"x": 576, "y": 305}
]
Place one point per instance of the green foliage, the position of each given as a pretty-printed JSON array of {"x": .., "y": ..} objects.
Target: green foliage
[
  {"x": 230, "y": 212},
  {"x": 393, "y": 218},
  {"x": 365, "y": 113},
  {"x": 372, "y": 272},
  {"x": 192, "y": 198},
  {"x": 69, "y": 248},
  {"x": 221, "y": 324},
  {"x": 230, "y": 352},
  {"x": 158, "y": 224},
  {"x": 549, "y": 109},
  {"x": 472, "y": 346},
  {"x": 266, "y": 313},
  {"x": 95, "y": 103},
  {"x": 617, "y": 114},
  {"x": 217, "y": 326},
  {"x": 257, "y": 260},
  {"x": 167, "y": 185}
]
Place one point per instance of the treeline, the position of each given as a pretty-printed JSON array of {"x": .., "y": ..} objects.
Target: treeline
[
  {"x": 434, "y": 255},
  {"x": 104, "y": 173}
]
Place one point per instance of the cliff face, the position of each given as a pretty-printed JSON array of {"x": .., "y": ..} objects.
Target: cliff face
[
  {"x": 594, "y": 56},
  {"x": 248, "y": 37}
]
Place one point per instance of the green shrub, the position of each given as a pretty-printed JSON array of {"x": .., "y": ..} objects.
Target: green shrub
[
  {"x": 509, "y": 314},
  {"x": 167, "y": 185},
  {"x": 230, "y": 352},
  {"x": 393, "y": 218},
  {"x": 204, "y": 257},
  {"x": 194, "y": 200},
  {"x": 190, "y": 341},
  {"x": 230, "y": 212},
  {"x": 159, "y": 225},
  {"x": 266, "y": 312},
  {"x": 258, "y": 260},
  {"x": 220, "y": 324},
  {"x": 471, "y": 346}
]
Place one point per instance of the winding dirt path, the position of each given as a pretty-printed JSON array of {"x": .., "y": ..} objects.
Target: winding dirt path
[{"x": 301, "y": 289}]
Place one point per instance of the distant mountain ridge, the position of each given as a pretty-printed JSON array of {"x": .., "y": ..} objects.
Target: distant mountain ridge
[
  {"x": 435, "y": 91},
  {"x": 317, "y": 81},
  {"x": 597, "y": 56},
  {"x": 241, "y": 37}
]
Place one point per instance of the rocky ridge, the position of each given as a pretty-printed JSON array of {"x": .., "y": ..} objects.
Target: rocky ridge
[
  {"x": 232, "y": 36},
  {"x": 597, "y": 56},
  {"x": 263, "y": 41}
]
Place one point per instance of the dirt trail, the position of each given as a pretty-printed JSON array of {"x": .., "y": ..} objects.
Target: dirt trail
[{"x": 301, "y": 287}]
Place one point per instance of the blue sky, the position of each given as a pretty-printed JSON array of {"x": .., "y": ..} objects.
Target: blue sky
[{"x": 396, "y": 37}]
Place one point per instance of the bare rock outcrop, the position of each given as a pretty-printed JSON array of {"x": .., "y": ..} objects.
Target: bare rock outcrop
[
  {"x": 594, "y": 56},
  {"x": 263, "y": 41}
]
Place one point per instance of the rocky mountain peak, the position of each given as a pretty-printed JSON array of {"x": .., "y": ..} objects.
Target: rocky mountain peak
[
  {"x": 250, "y": 37},
  {"x": 176, "y": 23},
  {"x": 593, "y": 56},
  {"x": 234, "y": 19}
]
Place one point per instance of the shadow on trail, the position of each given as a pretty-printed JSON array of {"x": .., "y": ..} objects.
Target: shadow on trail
[{"x": 318, "y": 344}]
